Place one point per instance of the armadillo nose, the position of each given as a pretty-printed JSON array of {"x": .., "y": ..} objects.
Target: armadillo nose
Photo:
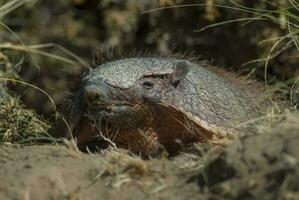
[{"x": 94, "y": 95}]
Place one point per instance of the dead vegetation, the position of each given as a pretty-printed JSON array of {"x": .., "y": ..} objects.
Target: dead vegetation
[{"x": 20, "y": 125}]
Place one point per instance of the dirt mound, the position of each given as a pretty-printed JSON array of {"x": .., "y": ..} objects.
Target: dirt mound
[
  {"x": 264, "y": 166},
  {"x": 259, "y": 166}
]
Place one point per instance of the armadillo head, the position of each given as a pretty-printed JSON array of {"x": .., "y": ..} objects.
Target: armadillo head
[
  {"x": 128, "y": 107},
  {"x": 118, "y": 107}
]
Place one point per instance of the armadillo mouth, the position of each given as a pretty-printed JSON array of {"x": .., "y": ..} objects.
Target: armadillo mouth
[
  {"x": 122, "y": 116},
  {"x": 108, "y": 106},
  {"x": 118, "y": 116},
  {"x": 108, "y": 109},
  {"x": 115, "y": 103},
  {"x": 102, "y": 111}
]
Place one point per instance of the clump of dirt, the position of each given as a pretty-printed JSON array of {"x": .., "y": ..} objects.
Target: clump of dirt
[{"x": 260, "y": 166}]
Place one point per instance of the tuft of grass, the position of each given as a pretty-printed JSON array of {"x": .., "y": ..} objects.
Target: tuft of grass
[{"x": 20, "y": 125}]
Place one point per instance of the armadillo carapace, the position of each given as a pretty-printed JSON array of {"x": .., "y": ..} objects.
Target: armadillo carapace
[{"x": 149, "y": 104}]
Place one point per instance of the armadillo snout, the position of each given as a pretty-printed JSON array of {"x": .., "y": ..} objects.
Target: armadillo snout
[{"x": 95, "y": 95}]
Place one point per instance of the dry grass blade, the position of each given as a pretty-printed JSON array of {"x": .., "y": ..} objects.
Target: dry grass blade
[
  {"x": 32, "y": 86},
  {"x": 100, "y": 133},
  {"x": 294, "y": 36},
  {"x": 10, "y": 6},
  {"x": 247, "y": 19},
  {"x": 295, "y": 4},
  {"x": 257, "y": 10},
  {"x": 273, "y": 55},
  {"x": 21, "y": 42},
  {"x": 275, "y": 45},
  {"x": 72, "y": 146},
  {"x": 36, "y": 50},
  {"x": 293, "y": 88},
  {"x": 63, "y": 49},
  {"x": 195, "y": 5}
]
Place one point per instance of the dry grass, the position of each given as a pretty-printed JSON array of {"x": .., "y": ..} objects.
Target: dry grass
[
  {"x": 18, "y": 124},
  {"x": 122, "y": 168},
  {"x": 21, "y": 125}
]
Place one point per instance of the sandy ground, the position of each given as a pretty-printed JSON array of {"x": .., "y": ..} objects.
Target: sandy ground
[
  {"x": 259, "y": 166},
  {"x": 56, "y": 172}
]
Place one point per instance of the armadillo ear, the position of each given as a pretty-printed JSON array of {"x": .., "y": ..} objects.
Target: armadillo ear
[{"x": 180, "y": 70}]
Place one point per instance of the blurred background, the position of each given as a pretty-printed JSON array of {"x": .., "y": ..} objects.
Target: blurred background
[{"x": 48, "y": 43}]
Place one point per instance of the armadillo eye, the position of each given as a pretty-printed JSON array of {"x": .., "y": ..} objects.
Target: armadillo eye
[{"x": 147, "y": 85}]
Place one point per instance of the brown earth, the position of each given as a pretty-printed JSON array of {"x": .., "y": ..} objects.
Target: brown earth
[
  {"x": 257, "y": 166},
  {"x": 56, "y": 172}
]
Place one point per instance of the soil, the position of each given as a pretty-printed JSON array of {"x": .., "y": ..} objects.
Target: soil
[
  {"x": 56, "y": 172},
  {"x": 257, "y": 166}
]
